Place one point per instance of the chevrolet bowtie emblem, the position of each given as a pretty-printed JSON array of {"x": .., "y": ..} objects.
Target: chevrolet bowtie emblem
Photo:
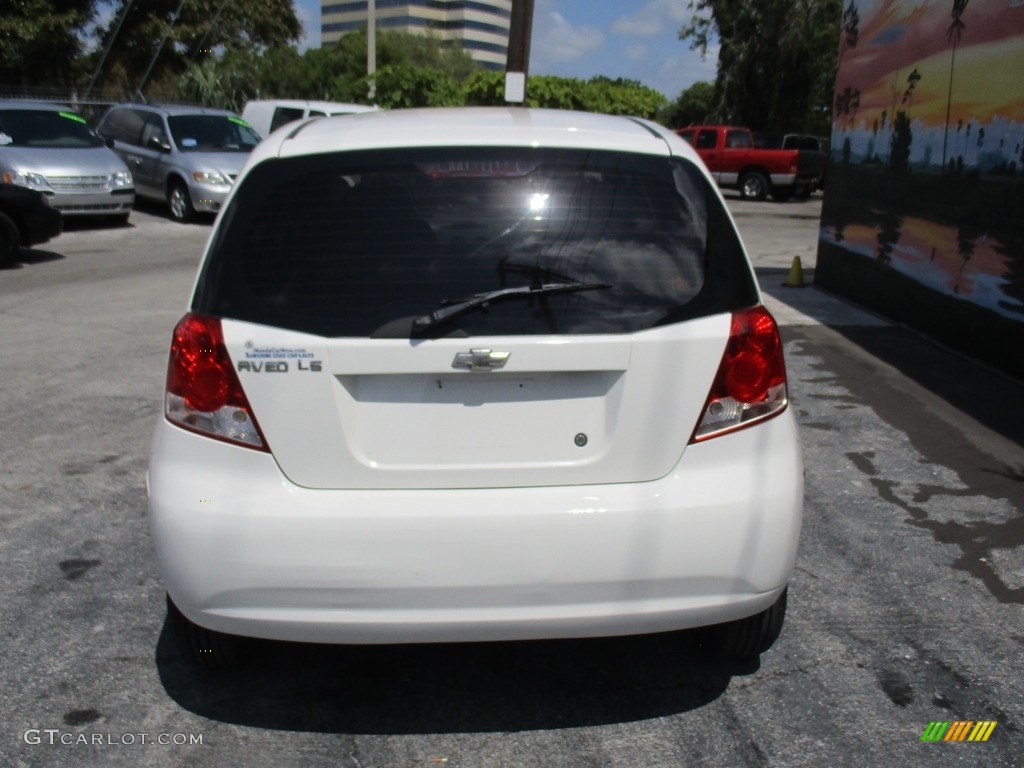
[{"x": 480, "y": 360}]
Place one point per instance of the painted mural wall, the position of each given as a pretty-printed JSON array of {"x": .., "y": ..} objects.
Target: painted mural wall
[{"x": 923, "y": 214}]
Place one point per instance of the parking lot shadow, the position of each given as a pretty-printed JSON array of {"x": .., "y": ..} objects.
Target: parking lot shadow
[
  {"x": 973, "y": 388},
  {"x": 24, "y": 257},
  {"x": 159, "y": 209},
  {"x": 450, "y": 688}
]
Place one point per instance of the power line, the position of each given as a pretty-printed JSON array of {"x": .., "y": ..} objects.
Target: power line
[
  {"x": 106, "y": 50},
  {"x": 156, "y": 55}
]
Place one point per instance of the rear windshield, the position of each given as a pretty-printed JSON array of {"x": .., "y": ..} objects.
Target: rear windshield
[
  {"x": 362, "y": 244},
  {"x": 46, "y": 128},
  {"x": 212, "y": 133}
]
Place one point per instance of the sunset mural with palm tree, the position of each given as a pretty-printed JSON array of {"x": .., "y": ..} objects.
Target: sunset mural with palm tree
[
  {"x": 969, "y": 58},
  {"x": 926, "y": 180}
]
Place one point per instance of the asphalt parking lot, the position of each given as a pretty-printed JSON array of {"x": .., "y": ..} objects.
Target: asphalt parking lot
[{"x": 905, "y": 608}]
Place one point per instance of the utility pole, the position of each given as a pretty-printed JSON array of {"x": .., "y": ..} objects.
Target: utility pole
[
  {"x": 517, "y": 65},
  {"x": 371, "y": 48}
]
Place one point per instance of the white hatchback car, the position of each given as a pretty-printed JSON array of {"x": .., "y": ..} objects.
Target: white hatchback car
[{"x": 469, "y": 375}]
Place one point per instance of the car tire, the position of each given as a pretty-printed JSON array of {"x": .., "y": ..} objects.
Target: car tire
[
  {"x": 10, "y": 239},
  {"x": 204, "y": 647},
  {"x": 179, "y": 201},
  {"x": 745, "y": 638},
  {"x": 754, "y": 185}
]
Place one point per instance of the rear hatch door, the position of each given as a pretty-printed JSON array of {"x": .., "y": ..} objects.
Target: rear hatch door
[{"x": 395, "y": 413}]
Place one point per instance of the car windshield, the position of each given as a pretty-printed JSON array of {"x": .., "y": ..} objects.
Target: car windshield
[
  {"x": 367, "y": 243},
  {"x": 46, "y": 128},
  {"x": 218, "y": 133}
]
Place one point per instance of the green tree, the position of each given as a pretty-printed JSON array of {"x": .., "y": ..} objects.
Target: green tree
[
  {"x": 338, "y": 72},
  {"x": 193, "y": 30},
  {"x": 401, "y": 86},
  {"x": 484, "y": 89},
  {"x": 776, "y": 62},
  {"x": 599, "y": 94},
  {"x": 621, "y": 97},
  {"x": 283, "y": 72},
  {"x": 41, "y": 42},
  {"x": 422, "y": 51},
  {"x": 552, "y": 92},
  {"x": 412, "y": 70},
  {"x": 696, "y": 105},
  {"x": 225, "y": 83}
]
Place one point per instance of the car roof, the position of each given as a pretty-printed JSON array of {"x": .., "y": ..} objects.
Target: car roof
[
  {"x": 35, "y": 105},
  {"x": 307, "y": 104},
  {"x": 172, "y": 110},
  {"x": 472, "y": 126}
]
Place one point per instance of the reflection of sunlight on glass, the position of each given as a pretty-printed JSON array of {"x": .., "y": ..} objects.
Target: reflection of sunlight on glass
[{"x": 538, "y": 202}]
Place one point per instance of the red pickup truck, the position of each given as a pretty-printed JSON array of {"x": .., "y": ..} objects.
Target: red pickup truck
[{"x": 734, "y": 161}]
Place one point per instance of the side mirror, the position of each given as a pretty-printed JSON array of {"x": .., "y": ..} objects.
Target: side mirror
[{"x": 155, "y": 142}]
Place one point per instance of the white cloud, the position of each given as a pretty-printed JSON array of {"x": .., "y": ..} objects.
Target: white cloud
[
  {"x": 556, "y": 41},
  {"x": 679, "y": 72},
  {"x": 637, "y": 52},
  {"x": 652, "y": 19},
  {"x": 580, "y": 38}
]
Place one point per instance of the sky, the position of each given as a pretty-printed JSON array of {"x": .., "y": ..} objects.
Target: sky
[{"x": 633, "y": 39}]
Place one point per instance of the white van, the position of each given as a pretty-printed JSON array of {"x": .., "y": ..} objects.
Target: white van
[{"x": 269, "y": 115}]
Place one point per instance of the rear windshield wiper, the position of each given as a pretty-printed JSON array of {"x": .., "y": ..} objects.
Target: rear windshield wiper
[{"x": 480, "y": 300}]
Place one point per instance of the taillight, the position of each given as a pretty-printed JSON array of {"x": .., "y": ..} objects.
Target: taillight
[
  {"x": 750, "y": 385},
  {"x": 203, "y": 390}
]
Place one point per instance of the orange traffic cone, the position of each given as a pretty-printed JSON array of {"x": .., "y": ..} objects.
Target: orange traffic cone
[{"x": 796, "y": 275}]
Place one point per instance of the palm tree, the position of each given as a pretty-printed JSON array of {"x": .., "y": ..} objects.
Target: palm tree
[
  {"x": 849, "y": 28},
  {"x": 953, "y": 33},
  {"x": 912, "y": 80}
]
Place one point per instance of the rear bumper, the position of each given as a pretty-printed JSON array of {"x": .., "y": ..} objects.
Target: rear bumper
[
  {"x": 243, "y": 550},
  {"x": 783, "y": 179}
]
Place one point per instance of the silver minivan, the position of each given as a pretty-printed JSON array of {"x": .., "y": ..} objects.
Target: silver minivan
[
  {"x": 185, "y": 156},
  {"x": 52, "y": 149}
]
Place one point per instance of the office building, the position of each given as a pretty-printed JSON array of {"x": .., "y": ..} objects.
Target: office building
[{"x": 481, "y": 27}]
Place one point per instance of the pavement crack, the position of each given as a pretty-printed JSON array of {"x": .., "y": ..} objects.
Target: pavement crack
[{"x": 976, "y": 539}]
